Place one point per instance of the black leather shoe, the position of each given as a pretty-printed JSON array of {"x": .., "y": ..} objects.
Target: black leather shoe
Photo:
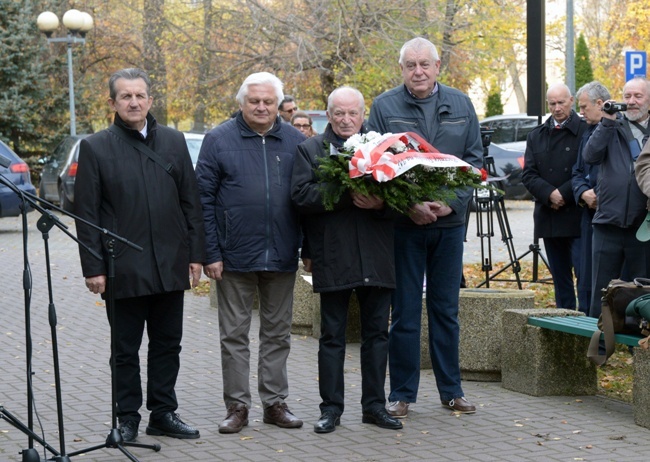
[
  {"x": 129, "y": 430},
  {"x": 382, "y": 419},
  {"x": 327, "y": 422},
  {"x": 170, "y": 424}
]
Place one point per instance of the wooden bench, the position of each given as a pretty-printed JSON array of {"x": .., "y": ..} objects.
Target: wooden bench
[
  {"x": 578, "y": 325},
  {"x": 544, "y": 352}
]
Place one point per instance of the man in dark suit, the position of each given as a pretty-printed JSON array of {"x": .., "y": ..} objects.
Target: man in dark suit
[
  {"x": 124, "y": 190},
  {"x": 551, "y": 153}
]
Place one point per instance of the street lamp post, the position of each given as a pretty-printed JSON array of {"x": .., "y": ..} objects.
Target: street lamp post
[{"x": 77, "y": 24}]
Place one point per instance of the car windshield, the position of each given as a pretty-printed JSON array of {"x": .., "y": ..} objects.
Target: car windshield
[{"x": 194, "y": 146}]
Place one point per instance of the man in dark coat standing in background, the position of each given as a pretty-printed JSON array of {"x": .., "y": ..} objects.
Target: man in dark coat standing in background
[
  {"x": 125, "y": 191},
  {"x": 348, "y": 248},
  {"x": 551, "y": 153}
]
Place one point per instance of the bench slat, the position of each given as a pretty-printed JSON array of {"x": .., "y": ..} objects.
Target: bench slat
[{"x": 579, "y": 325}]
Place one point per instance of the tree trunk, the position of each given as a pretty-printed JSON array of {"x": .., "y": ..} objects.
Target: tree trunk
[
  {"x": 513, "y": 70},
  {"x": 203, "y": 73},
  {"x": 154, "y": 58}
]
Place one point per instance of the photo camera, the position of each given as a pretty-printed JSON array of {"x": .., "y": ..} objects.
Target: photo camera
[{"x": 613, "y": 108}]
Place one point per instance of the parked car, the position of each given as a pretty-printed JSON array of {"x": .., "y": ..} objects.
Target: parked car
[
  {"x": 194, "y": 142},
  {"x": 507, "y": 149},
  {"x": 59, "y": 172},
  {"x": 17, "y": 173},
  {"x": 60, "y": 169},
  {"x": 319, "y": 120},
  {"x": 509, "y": 128}
]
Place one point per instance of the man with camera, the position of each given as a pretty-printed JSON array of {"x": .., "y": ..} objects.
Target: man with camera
[{"x": 614, "y": 146}]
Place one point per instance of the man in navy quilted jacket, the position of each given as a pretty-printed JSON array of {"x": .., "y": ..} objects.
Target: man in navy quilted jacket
[{"x": 252, "y": 239}]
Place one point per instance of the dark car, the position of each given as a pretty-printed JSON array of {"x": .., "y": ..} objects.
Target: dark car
[
  {"x": 507, "y": 149},
  {"x": 60, "y": 169},
  {"x": 508, "y": 159},
  {"x": 17, "y": 173},
  {"x": 59, "y": 172}
]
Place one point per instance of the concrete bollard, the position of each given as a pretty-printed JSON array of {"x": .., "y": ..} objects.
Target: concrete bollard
[
  {"x": 641, "y": 387},
  {"x": 541, "y": 362},
  {"x": 479, "y": 315}
]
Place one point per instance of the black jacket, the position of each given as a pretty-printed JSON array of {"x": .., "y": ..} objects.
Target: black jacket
[
  {"x": 123, "y": 191},
  {"x": 548, "y": 165},
  {"x": 349, "y": 247}
]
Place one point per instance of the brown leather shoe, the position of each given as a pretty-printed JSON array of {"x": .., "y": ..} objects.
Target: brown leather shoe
[
  {"x": 236, "y": 419},
  {"x": 280, "y": 415},
  {"x": 460, "y": 405},
  {"x": 398, "y": 409}
]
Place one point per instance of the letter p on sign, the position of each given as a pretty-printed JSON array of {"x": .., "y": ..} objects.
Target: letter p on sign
[{"x": 635, "y": 64}]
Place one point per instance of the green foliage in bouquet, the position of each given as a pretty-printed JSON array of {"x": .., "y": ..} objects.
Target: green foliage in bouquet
[{"x": 417, "y": 185}]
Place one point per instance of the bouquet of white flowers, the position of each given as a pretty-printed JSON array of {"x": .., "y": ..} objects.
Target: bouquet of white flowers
[{"x": 402, "y": 169}]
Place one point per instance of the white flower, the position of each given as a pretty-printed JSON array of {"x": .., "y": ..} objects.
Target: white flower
[
  {"x": 398, "y": 146},
  {"x": 353, "y": 143}
]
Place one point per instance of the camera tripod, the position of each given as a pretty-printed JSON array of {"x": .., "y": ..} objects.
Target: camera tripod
[{"x": 488, "y": 203}]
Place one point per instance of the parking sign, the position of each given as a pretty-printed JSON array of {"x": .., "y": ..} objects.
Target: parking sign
[{"x": 635, "y": 64}]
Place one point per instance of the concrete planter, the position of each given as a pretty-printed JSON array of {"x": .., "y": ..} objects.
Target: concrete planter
[{"x": 480, "y": 315}]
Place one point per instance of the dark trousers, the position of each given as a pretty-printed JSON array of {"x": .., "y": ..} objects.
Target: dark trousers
[
  {"x": 564, "y": 258},
  {"x": 616, "y": 253},
  {"x": 163, "y": 316},
  {"x": 584, "y": 282},
  {"x": 374, "y": 303}
]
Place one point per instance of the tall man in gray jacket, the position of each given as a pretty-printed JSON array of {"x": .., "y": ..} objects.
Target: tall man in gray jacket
[
  {"x": 430, "y": 240},
  {"x": 252, "y": 234}
]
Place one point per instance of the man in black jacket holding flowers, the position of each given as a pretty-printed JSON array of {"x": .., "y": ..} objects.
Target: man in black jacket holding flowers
[{"x": 347, "y": 248}]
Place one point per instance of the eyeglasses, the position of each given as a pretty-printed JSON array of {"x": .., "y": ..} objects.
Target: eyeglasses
[{"x": 301, "y": 126}]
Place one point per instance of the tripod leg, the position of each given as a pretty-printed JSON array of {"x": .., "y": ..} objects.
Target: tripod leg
[
  {"x": 506, "y": 237},
  {"x": 14, "y": 422}
]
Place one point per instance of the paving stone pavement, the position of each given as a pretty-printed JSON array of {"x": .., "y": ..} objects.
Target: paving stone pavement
[{"x": 507, "y": 427}]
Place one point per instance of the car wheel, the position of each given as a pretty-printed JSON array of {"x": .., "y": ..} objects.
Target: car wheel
[{"x": 64, "y": 203}]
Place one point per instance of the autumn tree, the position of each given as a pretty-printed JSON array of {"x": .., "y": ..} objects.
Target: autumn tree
[
  {"x": 493, "y": 106},
  {"x": 584, "y": 72},
  {"x": 30, "y": 112}
]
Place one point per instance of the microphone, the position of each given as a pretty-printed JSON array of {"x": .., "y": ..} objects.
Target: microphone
[{"x": 4, "y": 162}]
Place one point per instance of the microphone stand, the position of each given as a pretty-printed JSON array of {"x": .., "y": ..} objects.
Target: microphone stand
[
  {"x": 30, "y": 454},
  {"x": 44, "y": 224}
]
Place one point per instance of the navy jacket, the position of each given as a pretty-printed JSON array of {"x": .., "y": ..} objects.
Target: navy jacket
[
  {"x": 244, "y": 181},
  {"x": 620, "y": 201}
]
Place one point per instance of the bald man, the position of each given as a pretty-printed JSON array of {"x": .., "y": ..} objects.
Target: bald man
[{"x": 551, "y": 153}]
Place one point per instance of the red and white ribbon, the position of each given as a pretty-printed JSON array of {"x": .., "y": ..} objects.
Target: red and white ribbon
[{"x": 374, "y": 158}]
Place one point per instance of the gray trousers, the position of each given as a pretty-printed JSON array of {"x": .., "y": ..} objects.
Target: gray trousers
[{"x": 235, "y": 294}]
